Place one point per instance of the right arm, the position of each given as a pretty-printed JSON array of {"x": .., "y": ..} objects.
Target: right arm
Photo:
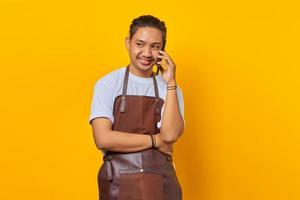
[{"x": 109, "y": 140}]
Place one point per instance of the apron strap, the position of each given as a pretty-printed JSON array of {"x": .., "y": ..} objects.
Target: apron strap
[
  {"x": 123, "y": 102},
  {"x": 123, "y": 99},
  {"x": 106, "y": 158}
]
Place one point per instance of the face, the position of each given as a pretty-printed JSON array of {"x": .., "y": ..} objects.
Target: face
[{"x": 144, "y": 47}]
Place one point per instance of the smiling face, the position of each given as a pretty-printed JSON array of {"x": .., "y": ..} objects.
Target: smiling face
[{"x": 143, "y": 49}]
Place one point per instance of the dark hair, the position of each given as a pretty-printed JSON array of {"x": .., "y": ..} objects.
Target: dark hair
[{"x": 148, "y": 21}]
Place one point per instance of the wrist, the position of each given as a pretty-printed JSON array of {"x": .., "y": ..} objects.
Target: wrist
[
  {"x": 158, "y": 140},
  {"x": 152, "y": 141},
  {"x": 171, "y": 83}
]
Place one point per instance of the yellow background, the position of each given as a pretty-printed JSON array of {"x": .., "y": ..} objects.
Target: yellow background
[{"x": 237, "y": 64}]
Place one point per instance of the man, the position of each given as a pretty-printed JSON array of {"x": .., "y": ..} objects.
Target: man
[{"x": 136, "y": 117}]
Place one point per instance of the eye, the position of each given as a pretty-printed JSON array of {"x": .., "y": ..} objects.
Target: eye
[
  {"x": 156, "y": 47},
  {"x": 139, "y": 44}
]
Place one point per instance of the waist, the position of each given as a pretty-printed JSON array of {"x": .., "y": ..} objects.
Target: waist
[{"x": 143, "y": 156}]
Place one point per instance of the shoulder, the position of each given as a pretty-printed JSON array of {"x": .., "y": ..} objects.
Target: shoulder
[{"x": 111, "y": 79}]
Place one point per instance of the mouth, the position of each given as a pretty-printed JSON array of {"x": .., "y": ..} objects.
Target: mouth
[{"x": 145, "y": 62}]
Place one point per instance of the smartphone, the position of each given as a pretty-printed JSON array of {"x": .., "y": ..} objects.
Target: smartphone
[{"x": 159, "y": 67}]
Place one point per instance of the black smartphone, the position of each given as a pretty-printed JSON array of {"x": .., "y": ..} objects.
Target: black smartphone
[{"x": 159, "y": 67}]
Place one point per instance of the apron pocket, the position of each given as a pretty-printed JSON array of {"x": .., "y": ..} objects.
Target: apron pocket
[{"x": 138, "y": 185}]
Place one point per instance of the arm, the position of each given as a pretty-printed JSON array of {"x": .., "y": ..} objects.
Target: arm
[
  {"x": 172, "y": 123},
  {"x": 108, "y": 140},
  {"x": 102, "y": 121}
]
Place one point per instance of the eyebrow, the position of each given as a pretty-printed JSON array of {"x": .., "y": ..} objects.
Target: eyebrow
[{"x": 137, "y": 40}]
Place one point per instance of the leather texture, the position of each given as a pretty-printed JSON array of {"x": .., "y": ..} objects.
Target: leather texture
[{"x": 144, "y": 175}]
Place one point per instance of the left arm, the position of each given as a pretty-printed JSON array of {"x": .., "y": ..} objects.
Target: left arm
[{"x": 172, "y": 125}]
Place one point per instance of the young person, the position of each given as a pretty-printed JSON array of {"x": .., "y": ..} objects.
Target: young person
[{"x": 136, "y": 117}]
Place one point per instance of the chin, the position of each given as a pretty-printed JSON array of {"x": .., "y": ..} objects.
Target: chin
[{"x": 145, "y": 68}]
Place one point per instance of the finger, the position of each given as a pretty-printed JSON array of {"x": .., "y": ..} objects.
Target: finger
[
  {"x": 162, "y": 56},
  {"x": 162, "y": 52},
  {"x": 162, "y": 69},
  {"x": 166, "y": 152},
  {"x": 163, "y": 65},
  {"x": 170, "y": 149},
  {"x": 163, "y": 61},
  {"x": 166, "y": 64},
  {"x": 166, "y": 56}
]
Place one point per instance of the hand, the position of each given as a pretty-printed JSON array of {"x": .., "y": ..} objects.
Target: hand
[
  {"x": 168, "y": 74},
  {"x": 162, "y": 146}
]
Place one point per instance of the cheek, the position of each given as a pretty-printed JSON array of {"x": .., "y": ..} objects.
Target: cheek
[{"x": 135, "y": 53}]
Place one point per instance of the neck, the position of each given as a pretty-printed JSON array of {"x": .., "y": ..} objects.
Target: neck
[{"x": 138, "y": 72}]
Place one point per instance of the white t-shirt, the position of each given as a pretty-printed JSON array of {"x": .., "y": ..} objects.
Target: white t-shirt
[{"x": 110, "y": 86}]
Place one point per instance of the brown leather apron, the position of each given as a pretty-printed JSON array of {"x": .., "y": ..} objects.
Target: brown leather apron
[{"x": 144, "y": 175}]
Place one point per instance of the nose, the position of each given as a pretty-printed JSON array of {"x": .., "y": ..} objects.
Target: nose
[{"x": 147, "y": 52}]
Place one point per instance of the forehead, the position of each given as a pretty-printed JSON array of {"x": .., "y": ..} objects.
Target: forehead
[{"x": 148, "y": 34}]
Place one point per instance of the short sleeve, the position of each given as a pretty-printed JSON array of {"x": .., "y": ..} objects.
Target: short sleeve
[
  {"x": 181, "y": 106},
  {"x": 181, "y": 103},
  {"x": 102, "y": 101}
]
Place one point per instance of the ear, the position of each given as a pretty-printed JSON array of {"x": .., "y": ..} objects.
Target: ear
[{"x": 127, "y": 43}]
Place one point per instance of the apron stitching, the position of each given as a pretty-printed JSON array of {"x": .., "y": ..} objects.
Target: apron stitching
[{"x": 144, "y": 157}]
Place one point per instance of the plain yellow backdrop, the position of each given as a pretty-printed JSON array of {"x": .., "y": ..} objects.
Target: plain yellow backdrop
[{"x": 237, "y": 64}]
